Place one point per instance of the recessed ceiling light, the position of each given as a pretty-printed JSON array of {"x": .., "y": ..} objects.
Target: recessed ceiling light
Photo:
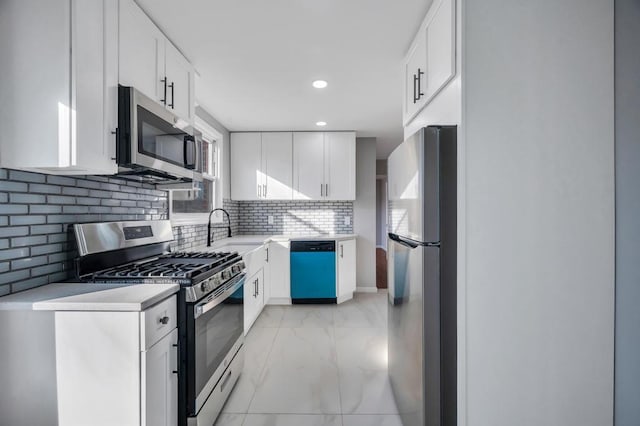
[
  {"x": 319, "y": 84},
  {"x": 321, "y": 123}
]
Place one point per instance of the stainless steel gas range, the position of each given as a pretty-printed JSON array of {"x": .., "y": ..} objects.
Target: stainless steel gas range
[{"x": 210, "y": 304}]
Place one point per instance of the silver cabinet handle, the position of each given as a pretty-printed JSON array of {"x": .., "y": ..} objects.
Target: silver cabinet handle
[
  {"x": 321, "y": 190},
  {"x": 164, "y": 83},
  {"x": 267, "y": 259},
  {"x": 326, "y": 189},
  {"x": 264, "y": 191},
  {"x": 258, "y": 191},
  {"x": 341, "y": 250}
]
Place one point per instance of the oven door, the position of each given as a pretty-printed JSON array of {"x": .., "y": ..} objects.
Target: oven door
[
  {"x": 153, "y": 138},
  {"x": 218, "y": 334}
]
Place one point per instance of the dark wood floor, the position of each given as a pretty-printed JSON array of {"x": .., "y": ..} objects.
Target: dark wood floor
[{"x": 381, "y": 268}]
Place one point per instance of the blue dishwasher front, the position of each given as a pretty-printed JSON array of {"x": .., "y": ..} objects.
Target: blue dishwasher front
[{"x": 313, "y": 271}]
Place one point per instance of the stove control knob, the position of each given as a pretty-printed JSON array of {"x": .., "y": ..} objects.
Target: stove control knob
[
  {"x": 204, "y": 286},
  {"x": 225, "y": 275}
]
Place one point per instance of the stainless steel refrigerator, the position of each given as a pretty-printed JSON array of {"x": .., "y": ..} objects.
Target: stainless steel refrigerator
[{"x": 422, "y": 328}]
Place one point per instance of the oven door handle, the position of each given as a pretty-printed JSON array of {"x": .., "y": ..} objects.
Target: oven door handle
[{"x": 207, "y": 305}]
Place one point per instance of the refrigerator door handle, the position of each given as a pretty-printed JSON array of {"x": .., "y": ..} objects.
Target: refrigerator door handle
[{"x": 412, "y": 243}]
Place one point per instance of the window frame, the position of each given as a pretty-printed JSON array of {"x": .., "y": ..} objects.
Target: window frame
[{"x": 214, "y": 137}]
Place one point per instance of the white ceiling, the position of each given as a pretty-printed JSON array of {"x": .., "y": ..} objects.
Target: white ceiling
[{"x": 257, "y": 59}]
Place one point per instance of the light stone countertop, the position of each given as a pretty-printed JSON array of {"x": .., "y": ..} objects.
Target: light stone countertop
[
  {"x": 89, "y": 297},
  {"x": 244, "y": 244}
]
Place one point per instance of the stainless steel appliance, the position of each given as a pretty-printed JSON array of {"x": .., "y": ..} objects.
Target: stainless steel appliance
[
  {"x": 422, "y": 277},
  {"x": 210, "y": 303},
  {"x": 153, "y": 144}
]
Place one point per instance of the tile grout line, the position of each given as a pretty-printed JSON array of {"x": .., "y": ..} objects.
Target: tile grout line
[
  {"x": 335, "y": 345},
  {"x": 275, "y": 336}
]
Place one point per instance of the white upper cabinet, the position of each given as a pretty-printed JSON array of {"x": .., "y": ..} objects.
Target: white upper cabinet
[
  {"x": 152, "y": 64},
  {"x": 247, "y": 179},
  {"x": 142, "y": 50},
  {"x": 308, "y": 166},
  {"x": 298, "y": 165},
  {"x": 261, "y": 166},
  {"x": 180, "y": 83},
  {"x": 415, "y": 80},
  {"x": 340, "y": 165},
  {"x": 431, "y": 61},
  {"x": 324, "y": 166},
  {"x": 59, "y": 86},
  {"x": 277, "y": 161},
  {"x": 441, "y": 57}
]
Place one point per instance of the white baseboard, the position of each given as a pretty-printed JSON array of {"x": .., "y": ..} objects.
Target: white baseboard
[
  {"x": 366, "y": 290},
  {"x": 344, "y": 298}
]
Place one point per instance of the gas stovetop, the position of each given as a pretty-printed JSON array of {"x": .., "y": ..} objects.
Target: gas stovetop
[
  {"x": 139, "y": 252},
  {"x": 181, "y": 267}
]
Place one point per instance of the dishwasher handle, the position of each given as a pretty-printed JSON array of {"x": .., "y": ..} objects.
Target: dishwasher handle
[{"x": 313, "y": 246}]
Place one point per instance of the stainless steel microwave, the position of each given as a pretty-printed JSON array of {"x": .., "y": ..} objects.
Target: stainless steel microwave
[{"x": 153, "y": 144}]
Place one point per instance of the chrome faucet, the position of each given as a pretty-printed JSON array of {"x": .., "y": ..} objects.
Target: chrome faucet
[{"x": 209, "y": 225}]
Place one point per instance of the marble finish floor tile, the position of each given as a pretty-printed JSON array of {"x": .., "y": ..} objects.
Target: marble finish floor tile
[
  {"x": 271, "y": 316},
  {"x": 362, "y": 348},
  {"x": 301, "y": 374},
  {"x": 258, "y": 344},
  {"x": 367, "y": 310},
  {"x": 316, "y": 365},
  {"x": 292, "y": 420},
  {"x": 366, "y": 392},
  {"x": 229, "y": 420},
  {"x": 308, "y": 316},
  {"x": 371, "y": 420}
]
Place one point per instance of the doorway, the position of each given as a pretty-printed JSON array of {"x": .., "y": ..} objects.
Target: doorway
[{"x": 381, "y": 231}]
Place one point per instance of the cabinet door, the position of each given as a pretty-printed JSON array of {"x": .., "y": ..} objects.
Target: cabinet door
[
  {"x": 94, "y": 94},
  {"x": 142, "y": 51},
  {"x": 340, "y": 165},
  {"x": 160, "y": 382},
  {"x": 308, "y": 166},
  {"x": 180, "y": 83},
  {"x": 253, "y": 301},
  {"x": 415, "y": 76},
  {"x": 346, "y": 267},
  {"x": 247, "y": 179},
  {"x": 441, "y": 58},
  {"x": 266, "y": 274},
  {"x": 279, "y": 272},
  {"x": 277, "y": 165}
]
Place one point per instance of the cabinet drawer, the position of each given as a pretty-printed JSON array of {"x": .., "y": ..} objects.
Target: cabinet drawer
[{"x": 157, "y": 321}]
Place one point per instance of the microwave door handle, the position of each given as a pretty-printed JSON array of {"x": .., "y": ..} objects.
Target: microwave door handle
[{"x": 189, "y": 141}]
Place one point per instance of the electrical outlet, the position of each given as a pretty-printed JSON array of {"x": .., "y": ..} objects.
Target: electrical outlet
[
  {"x": 270, "y": 220},
  {"x": 347, "y": 220}
]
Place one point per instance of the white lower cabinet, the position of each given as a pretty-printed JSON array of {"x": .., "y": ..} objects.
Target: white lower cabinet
[
  {"x": 346, "y": 269},
  {"x": 160, "y": 379},
  {"x": 253, "y": 299},
  {"x": 117, "y": 368},
  {"x": 279, "y": 273}
]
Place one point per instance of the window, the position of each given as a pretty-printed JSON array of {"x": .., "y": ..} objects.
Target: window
[{"x": 193, "y": 206}]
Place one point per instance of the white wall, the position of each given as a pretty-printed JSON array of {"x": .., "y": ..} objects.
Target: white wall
[
  {"x": 364, "y": 212},
  {"x": 627, "y": 408},
  {"x": 538, "y": 133}
]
